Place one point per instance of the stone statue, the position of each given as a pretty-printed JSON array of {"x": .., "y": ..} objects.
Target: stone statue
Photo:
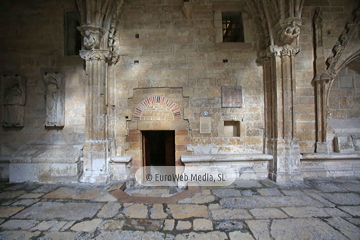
[
  {"x": 14, "y": 98},
  {"x": 54, "y": 98}
]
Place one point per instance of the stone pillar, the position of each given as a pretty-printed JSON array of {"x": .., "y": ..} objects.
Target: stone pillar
[
  {"x": 96, "y": 144},
  {"x": 279, "y": 88}
]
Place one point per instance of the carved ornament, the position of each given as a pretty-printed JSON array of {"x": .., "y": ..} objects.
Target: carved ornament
[
  {"x": 92, "y": 36},
  {"x": 90, "y": 55},
  {"x": 286, "y": 50}
]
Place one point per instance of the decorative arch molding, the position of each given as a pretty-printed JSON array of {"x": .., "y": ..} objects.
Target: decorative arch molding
[{"x": 153, "y": 100}]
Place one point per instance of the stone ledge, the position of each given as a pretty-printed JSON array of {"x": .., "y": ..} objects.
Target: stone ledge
[
  {"x": 201, "y": 158},
  {"x": 48, "y": 154},
  {"x": 334, "y": 156},
  {"x": 121, "y": 159}
]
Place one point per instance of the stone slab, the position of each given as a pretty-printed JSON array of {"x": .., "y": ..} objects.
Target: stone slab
[
  {"x": 6, "y": 212},
  {"x": 260, "y": 229},
  {"x": 248, "y": 184},
  {"x": 226, "y": 192},
  {"x": 269, "y": 192},
  {"x": 264, "y": 213},
  {"x": 87, "y": 226},
  {"x": 73, "y": 193},
  {"x": 11, "y": 194},
  {"x": 240, "y": 235},
  {"x": 19, "y": 234},
  {"x": 225, "y": 214},
  {"x": 344, "y": 227},
  {"x": 109, "y": 210},
  {"x": 200, "y": 224},
  {"x": 18, "y": 224},
  {"x": 183, "y": 225},
  {"x": 181, "y": 211},
  {"x": 157, "y": 212},
  {"x": 58, "y": 235},
  {"x": 303, "y": 228},
  {"x": 304, "y": 212},
  {"x": 216, "y": 235},
  {"x": 352, "y": 210},
  {"x": 113, "y": 224},
  {"x": 59, "y": 210},
  {"x": 230, "y": 225},
  {"x": 119, "y": 234},
  {"x": 268, "y": 201},
  {"x": 143, "y": 224},
  {"x": 135, "y": 210},
  {"x": 343, "y": 198}
]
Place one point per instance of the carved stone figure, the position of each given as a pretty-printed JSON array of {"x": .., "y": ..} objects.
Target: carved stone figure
[
  {"x": 290, "y": 33},
  {"x": 14, "y": 99},
  {"x": 54, "y": 97}
]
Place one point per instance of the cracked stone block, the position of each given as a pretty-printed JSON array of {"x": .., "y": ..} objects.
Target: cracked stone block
[
  {"x": 6, "y": 212},
  {"x": 183, "y": 225},
  {"x": 342, "y": 198},
  {"x": 344, "y": 227},
  {"x": 303, "y": 228},
  {"x": 18, "y": 234},
  {"x": 87, "y": 226},
  {"x": 240, "y": 235},
  {"x": 269, "y": 192},
  {"x": 157, "y": 212},
  {"x": 112, "y": 224},
  {"x": 260, "y": 229},
  {"x": 19, "y": 224},
  {"x": 226, "y": 192},
  {"x": 202, "y": 224},
  {"x": 59, "y": 210},
  {"x": 225, "y": 214},
  {"x": 109, "y": 210},
  {"x": 230, "y": 225},
  {"x": 120, "y": 234},
  {"x": 169, "y": 224},
  {"x": 352, "y": 210},
  {"x": 181, "y": 211},
  {"x": 267, "y": 213},
  {"x": 142, "y": 224},
  {"x": 135, "y": 210},
  {"x": 304, "y": 212},
  {"x": 216, "y": 235}
]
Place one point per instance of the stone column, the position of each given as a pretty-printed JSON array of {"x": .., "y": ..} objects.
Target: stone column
[
  {"x": 96, "y": 144},
  {"x": 279, "y": 88}
]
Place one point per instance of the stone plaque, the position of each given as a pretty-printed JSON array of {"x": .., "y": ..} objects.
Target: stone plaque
[
  {"x": 231, "y": 97},
  {"x": 205, "y": 124}
]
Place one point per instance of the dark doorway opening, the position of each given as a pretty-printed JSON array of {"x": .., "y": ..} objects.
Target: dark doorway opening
[{"x": 158, "y": 148}]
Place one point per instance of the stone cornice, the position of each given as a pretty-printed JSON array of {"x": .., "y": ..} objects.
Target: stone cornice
[{"x": 90, "y": 55}]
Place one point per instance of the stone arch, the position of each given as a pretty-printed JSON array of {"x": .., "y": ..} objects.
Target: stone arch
[{"x": 153, "y": 100}]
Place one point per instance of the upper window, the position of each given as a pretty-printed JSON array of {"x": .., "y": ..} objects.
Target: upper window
[
  {"x": 72, "y": 35},
  {"x": 232, "y": 27}
]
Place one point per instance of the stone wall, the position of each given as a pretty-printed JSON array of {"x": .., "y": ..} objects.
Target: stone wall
[{"x": 32, "y": 40}]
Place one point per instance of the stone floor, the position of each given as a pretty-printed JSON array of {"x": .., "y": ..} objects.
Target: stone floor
[{"x": 315, "y": 209}]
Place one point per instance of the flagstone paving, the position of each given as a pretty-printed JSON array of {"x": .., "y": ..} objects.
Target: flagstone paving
[{"x": 314, "y": 209}]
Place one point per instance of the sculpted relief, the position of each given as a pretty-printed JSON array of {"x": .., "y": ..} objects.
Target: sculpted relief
[
  {"x": 54, "y": 100},
  {"x": 13, "y": 101}
]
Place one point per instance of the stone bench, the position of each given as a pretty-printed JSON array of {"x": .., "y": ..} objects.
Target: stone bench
[{"x": 247, "y": 166}]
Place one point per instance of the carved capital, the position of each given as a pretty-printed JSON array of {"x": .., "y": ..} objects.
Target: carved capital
[
  {"x": 286, "y": 50},
  {"x": 91, "y": 55},
  {"x": 92, "y": 36}
]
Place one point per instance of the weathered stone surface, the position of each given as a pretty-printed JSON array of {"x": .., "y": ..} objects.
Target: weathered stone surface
[
  {"x": 46, "y": 188},
  {"x": 216, "y": 235},
  {"x": 31, "y": 195},
  {"x": 104, "y": 197},
  {"x": 169, "y": 224},
  {"x": 260, "y": 229},
  {"x": 109, "y": 210},
  {"x": 202, "y": 224},
  {"x": 73, "y": 193},
  {"x": 119, "y": 234},
  {"x": 353, "y": 187},
  {"x": 200, "y": 199},
  {"x": 344, "y": 227},
  {"x": 183, "y": 225},
  {"x": 112, "y": 224},
  {"x": 18, "y": 234},
  {"x": 157, "y": 212},
  {"x": 304, "y": 212},
  {"x": 8, "y": 211},
  {"x": 226, "y": 192},
  {"x": 180, "y": 211},
  {"x": 18, "y": 224},
  {"x": 59, "y": 210},
  {"x": 135, "y": 210},
  {"x": 11, "y": 194},
  {"x": 230, "y": 225},
  {"x": 334, "y": 212},
  {"x": 142, "y": 224},
  {"x": 343, "y": 198},
  {"x": 25, "y": 202},
  {"x": 87, "y": 226},
  {"x": 267, "y": 213},
  {"x": 292, "y": 192},
  {"x": 269, "y": 201},
  {"x": 240, "y": 235},
  {"x": 58, "y": 235},
  {"x": 316, "y": 195},
  {"x": 225, "y": 214},
  {"x": 355, "y": 221},
  {"x": 53, "y": 226},
  {"x": 248, "y": 184},
  {"x": 269, "y": 192},
  {"x": 352, "y": 210},
  {"x": 249, "y": 192},
  {"x": 304, "y": 228}
]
